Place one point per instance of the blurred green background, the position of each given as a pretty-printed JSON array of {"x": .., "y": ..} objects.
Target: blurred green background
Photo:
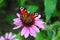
[{"x": 49, "y": 9}]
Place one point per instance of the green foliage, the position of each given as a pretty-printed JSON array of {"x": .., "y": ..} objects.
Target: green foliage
[
  {"x": 53, "y": 37},
  {"x": 58, "y": 35},
  {"x": 2, "y": 12},
  {"x": 53, "y": 29},
  {"x": 54, "y": 26},
  {"x": 10, "y": 18},
  {"x": 40, "y": 36},
  {"x": 49, "y": 34},
  {"x": 56, "y": 14},
  {"x": 50, "y": 6},
  {"x": 1, "y": 1},
  {"x": 32, "y": 8},
  {"x": 19, "y": 36},
  {"x": 2, "y": 4},
  {"x": 21, "y": 2}
]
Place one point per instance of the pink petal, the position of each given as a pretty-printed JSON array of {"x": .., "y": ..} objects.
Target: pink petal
[
  {"x": 2, "y": 38},
  {"x": 39, "y": 21},
  {"x": 16, "y": 27},
  {"x": 10, "y": 35},
  {"x": 26, "y": 33},
  {"x": 17, "y": 23},
  {"x": 35, "y": 28},
  {"x": 40, "y": 24},
  {"x": 23, "y": 31},
  {"x": 6, "y": 35},
  {"x": 18, "y": 15},
  {"x": 16, "y": 19},
  {"x": 32, "y": 32}
]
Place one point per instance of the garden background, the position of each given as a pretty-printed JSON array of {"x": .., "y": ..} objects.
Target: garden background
[{"x": 49, "y": 10}]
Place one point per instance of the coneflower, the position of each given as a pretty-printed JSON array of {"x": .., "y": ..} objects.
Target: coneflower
[
  {"x": 8, "y": 36},
  {"x": 30, "y": 23}
]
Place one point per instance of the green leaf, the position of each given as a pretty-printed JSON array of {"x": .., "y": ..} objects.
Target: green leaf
[
  {"x": 2, "y": 4},
  {"x": 10, "y": 18},
  {"x": 58, "y": 34},
  {"x": 54, "y": 26},
  {"x": 32, "y": 8},
  {"x": 49, "y": 33},
  {"x": 56, "y": 14},
  {"x": 40, "y": 36},
  {"x": 1, "y": 1},
  {"x": 19, "y": 36},
  {"x": 21, "y": 2},
  {"x": 53, "y": 36},
  {"x": 50, "y": 6},
  {"x": 2, "y": 12}
]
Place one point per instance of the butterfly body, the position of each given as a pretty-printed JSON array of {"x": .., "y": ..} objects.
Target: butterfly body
[{"x": 26, "y": 17}]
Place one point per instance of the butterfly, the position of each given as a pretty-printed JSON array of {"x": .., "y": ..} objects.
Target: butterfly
[{"x": 26, "y": 16}]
